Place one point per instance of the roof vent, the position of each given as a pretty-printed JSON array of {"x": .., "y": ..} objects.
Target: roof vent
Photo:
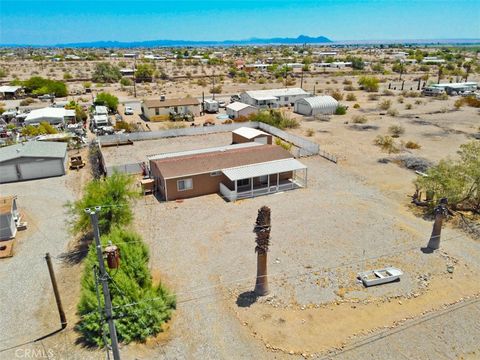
[{"x": 162, "y": 97}]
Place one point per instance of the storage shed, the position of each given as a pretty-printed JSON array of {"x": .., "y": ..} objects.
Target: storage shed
[
  {"x": 238, "y": 109},
  {"x": 52, "y": 115},
  {"x": 32, "y": 160},
  {"x": 246, "y": 134},
  {"x": 316, "y": 105}
]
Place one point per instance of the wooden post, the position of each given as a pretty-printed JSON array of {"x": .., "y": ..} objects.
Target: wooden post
[{"x": 63, "y": 319}]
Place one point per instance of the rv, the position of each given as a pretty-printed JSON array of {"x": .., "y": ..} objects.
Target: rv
[{"x": 210, "y": 106}]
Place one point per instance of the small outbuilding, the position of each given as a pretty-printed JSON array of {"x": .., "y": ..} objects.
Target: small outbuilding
[
  {"x": 316, "y": 105},
  {"x": 32, "y": 160},
  {"x": 246, "y": 134},
  {"x": 10, "y": 92},
  {"x": 9, "y": 217},
  {"x": 160, "y": 109},
  {"x": 54, "y": 116},
  {"x": 238, "y": 109}
]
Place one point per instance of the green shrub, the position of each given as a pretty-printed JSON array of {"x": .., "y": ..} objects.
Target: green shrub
[
  {"x": 310, "y": 132},
  {"x": 131, "y": 283},
  {"x": 275, "y": 118},
  {"x": 356, "y": 106},
  {"x": 341, "y": 110},
  {"x": 108, "y": 100},
  {"x": 40, "y": 86},
  {"x": 369, "y": 83},
  {"x": 396, "y": 130},
  {"x": 287, "y": 146},
  {"x": 126, "y": 82},
  {"x": 42, "y": 129},
  {"x": 106, "y": 73}
]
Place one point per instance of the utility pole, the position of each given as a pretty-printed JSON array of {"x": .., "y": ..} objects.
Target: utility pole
[
  {"x": 63, "y": 319},
  {"x": 135, "y": 77},
  {"x": 301, "y": 80},
  {"x": 104, "y": 280}
]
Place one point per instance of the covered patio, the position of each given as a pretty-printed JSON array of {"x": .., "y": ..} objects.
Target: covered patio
[{"x": 264, "y": 178}]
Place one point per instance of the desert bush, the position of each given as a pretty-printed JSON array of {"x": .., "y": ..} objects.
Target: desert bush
[
  {"x": 108, "y": 100},
  {"x": 400, "y": 99},
  {"x": 67, "y": 76},
  {"x": 359, "y": 119},
  {"x": 392, "y": 112},
  {"x": 472, "y": 101},
  {"x": 418, "y": 102},
  {"x": 396, "y": 130},
  {"x": 385, "y": 105},
  {"x": 356, "y": 106},
  {"x": 347, "y": 82},
  {"x": 387, "y": 92},
  {"x": 126, "y": 81},
  {"x": 41, "y": 129},
  {"x": 443, "y": 96},
  {"x": 40, "y": 86},
  {"x": 309, "y": 132},
  {"x": 373, "y": 97},
  {"x": 387, "y": 144},
  {"x": 412, "y": 145},
  {"x": 275, "y": 118},
  {"x": 287, "y": 146},
  {"x": 369, "y": 83},
  {"x": 413, "y": 162},
  {"x": 349, "y": 88},
  {"x": 3, "y": 73},
  {"x": 341, "y": 110},
  {"x": 202, "y": 82},
  {"x": 408, "y": 106},
  {"x": 351, "y": 97},
  {"x": 27, "y": 101},
  {"x": 337, "y": 95},
  {"x": 217, "y": 89},
  {"x": 106, "y": 73}
]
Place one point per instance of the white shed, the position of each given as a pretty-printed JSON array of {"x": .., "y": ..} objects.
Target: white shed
[
  {"x": 316, "y": 105},
  {"x": 9, "y": 217},
  {"x": 32, "y": 160},
  {"x": 237, "y": 109},
  {"x": 51, "y": 115}
]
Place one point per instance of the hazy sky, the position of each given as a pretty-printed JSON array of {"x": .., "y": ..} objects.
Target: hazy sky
[{"x": 53, "y": 22}]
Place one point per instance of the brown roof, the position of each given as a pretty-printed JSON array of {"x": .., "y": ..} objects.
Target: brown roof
[
  {"x": 6, "y": 204},
  {"x": 186, "y": 165},
  {"x": 157, "y": 103}
]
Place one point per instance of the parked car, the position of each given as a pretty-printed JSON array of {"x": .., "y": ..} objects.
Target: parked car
[
  {"x": 234, "y": 98},
  {"x": 222, "y": 104},
  {"x": 128, "y": 110}
]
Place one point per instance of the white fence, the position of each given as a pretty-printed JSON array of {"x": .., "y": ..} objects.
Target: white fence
[{"x": 305, "y": 147}]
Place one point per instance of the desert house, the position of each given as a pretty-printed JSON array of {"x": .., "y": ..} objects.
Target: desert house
[
  {"x": 10, "y": 92},
  {"x": 273, "y": 98},
  {"x": 235, "y": 171},
  {"x": 246, "y": 134},
  {"x": 9, "y": 217},
  {"x": 54, "y": 116},
  {"x": 316, "y": 105},
  {"x": 238, "y": 109},
  {"x": 32, "y": 160},
  {"x": 160, "y": 109}
]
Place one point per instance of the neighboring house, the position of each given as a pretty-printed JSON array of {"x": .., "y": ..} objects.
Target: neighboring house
[
  {"x": 315, "y": 105},
  {"x": 246, "y": 134},
  {"x": 127, "y": 72},
  {"x": 238, "y": 109},
  {"x": 9, "y": 217},
  {"x": 432, "y": 60},
  {"x": 54, "y": 116},
  {"x": 32, "y": 160},
  {"x": 235, "y": 171},
  {"x": 160, "y": 109},
  {"x": 256, "y": 67},
  {"x": 11, "y": 92},
  {"x": 273, "y": 98}
]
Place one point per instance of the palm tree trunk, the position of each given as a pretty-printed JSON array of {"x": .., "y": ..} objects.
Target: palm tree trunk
[
  {"x": 434, "y": 242},
  {"x": 261, "y": 286}
]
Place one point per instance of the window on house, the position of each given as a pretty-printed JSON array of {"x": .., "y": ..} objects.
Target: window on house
[
  {"x": 157, "y": 111},
  {"x": 184, "y": 184},
  {"x": 216, "y": 173},
  {"x": 243, "y": 182},
  {"x": 286, "y": 98},
  {"x": 263, "y": 179}
]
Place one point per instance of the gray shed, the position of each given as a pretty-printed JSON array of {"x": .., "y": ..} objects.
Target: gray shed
[
  {"x": 32, "y": 160},
  {"x": 316, "y": 105}
]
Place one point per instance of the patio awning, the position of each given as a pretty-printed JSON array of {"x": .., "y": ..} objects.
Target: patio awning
[{"x": 266, "y": 168}]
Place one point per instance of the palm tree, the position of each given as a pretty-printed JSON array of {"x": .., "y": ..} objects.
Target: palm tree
[{"x": 262, "y": 230}]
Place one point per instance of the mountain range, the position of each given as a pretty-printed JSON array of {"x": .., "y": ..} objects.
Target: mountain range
[{"x": 302, "y": 39}]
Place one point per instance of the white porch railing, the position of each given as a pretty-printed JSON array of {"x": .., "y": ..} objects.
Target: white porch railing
[{"x": 231, "y": 195}]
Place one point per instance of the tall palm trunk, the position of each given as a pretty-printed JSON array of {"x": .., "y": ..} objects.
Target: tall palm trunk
[
  {"x": 440, "y": 212},
  {"x": 262, "y": 230}
]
